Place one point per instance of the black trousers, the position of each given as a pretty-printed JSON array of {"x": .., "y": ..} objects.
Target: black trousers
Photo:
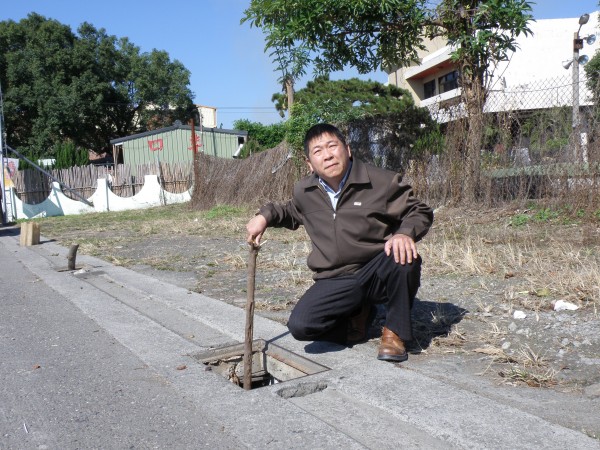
[{"x": 323, "y": 312}]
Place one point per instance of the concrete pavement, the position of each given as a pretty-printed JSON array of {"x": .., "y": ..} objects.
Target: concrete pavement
[{"x": 146, "y": 323}]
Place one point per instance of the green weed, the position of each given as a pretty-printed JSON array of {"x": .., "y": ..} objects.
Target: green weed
[
  {"x": 519, "y": 220},
  {"x": 221, "y": 211},
  {"x": 545, "y": 215}
]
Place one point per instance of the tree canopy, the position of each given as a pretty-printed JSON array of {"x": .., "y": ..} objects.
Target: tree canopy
[
  {"x": 385, "y": 34},
  {"x": 260, "y": 137},
  {"x": 375, "y": 35},
  {"x": 85, "y": 88},
  {"x": 382, "y": 123},
  {"x": 370, "y": 97},
  {"x": 592, "y": 71}
]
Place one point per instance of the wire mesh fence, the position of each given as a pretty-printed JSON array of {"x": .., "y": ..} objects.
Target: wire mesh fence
[
  {"x": 530, "y": 149},
  {"x": 538, "y": 143}
]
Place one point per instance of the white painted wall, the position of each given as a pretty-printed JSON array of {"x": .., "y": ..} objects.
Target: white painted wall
[
  {"x": 103, "y": 199},
  {"x": 540, "y": 56}
]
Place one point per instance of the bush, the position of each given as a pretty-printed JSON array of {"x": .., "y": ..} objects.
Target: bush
[
  {"x": 260, "y": 137},
  {"x": 68, "y": 155}
]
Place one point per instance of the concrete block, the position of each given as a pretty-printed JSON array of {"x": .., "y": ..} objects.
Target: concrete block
[{"x": 30, "y": 233}]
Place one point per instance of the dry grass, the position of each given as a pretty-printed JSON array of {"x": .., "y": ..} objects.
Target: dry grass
[
  {"x": 496, "y": 354},
  {"x": 527, "y": 366},
  {"x": 456, "y": 338},
  {"x": 532, "y": 378},
  {"x": 545, "y": 260},
  {"x": 270, "y": 306}
]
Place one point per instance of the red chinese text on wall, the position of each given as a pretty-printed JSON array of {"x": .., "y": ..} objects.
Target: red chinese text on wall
[
  {"x": 198, "y": 143},
  {"x": 155, "y": 145}
]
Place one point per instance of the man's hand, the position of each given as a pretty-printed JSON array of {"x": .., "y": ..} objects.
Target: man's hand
[
  {"x": 403, "y": 247},
  {"x": 255, "y": 228}
]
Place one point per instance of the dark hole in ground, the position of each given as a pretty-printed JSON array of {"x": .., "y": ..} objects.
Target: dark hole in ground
[{"x": 271, "y": 364}]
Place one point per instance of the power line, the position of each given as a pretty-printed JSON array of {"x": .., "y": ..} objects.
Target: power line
[
  {"x": 245, "y": 107},
  {"x": 246, "y": 112}
]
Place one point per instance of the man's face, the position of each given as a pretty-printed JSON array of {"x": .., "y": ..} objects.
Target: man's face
[{"x": 329, "y": 159}]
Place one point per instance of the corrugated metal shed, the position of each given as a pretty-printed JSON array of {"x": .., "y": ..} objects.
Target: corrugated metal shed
[{"x": 174, "y": 144}]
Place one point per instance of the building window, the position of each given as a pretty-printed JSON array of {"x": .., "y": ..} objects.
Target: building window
[
  {"x": 448, "y": 82},
  {"x": 429, "y": 88}
]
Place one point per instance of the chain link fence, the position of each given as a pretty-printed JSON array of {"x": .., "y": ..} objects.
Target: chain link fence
[{"x": 536, "y": 145}]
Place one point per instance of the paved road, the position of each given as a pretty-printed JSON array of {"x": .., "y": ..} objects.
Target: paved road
[{"x": 66, "y": 383}]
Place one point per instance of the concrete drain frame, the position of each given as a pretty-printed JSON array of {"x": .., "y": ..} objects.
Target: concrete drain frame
[{"x": 271, "y": 364}]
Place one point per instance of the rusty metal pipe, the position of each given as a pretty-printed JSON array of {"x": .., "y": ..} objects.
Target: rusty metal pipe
[
  {"x": 72, "y": 256},
  {"x": 250, "y": 315}
]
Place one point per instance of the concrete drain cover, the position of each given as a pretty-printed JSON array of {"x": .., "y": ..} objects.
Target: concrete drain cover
[{"x": 271, "y": 364}]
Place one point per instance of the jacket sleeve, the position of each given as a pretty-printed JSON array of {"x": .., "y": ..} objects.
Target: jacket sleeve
[
  {"x": 284, "y": 215},
  {"x": 414, "y": 217}
]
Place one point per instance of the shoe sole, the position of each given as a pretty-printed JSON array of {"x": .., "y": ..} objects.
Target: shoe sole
[{"x": 393, "y": 358}]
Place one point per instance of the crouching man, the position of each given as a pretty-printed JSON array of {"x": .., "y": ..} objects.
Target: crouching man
[{"x": 364, "y": 223}]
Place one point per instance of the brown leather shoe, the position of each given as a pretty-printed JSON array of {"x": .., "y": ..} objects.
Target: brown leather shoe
[
  {"x": 358, "y": 324},
  {"x": 392, "y": 347}
]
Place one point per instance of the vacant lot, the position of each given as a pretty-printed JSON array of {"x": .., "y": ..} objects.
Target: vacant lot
[{"x": 490, "y": 282}]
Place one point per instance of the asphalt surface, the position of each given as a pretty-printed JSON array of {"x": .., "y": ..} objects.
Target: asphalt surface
[
  {"x": 104, "y": 357},
  {"x": 67, "y": 383}
]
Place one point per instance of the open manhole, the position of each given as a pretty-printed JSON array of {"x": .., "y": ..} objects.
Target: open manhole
[{"x": 271, "y": 364}]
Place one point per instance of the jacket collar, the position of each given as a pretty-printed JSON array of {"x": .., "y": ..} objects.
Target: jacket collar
[{"x": 358, "y": 175}]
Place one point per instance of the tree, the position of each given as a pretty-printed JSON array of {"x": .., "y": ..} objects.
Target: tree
[
  {"x": 592, "y": 72},
  {"x": 355, "y": 106},
  {"x": 68, "y": 155},
  {"x": 372, "y": 35},
  {"x": 260, "y": 137},
  {"x": 370, "y": 97},
  {"x": 85, "y": 88},
  {"x": 381, "y": 121},
  {"x": 35, "y": 68}
]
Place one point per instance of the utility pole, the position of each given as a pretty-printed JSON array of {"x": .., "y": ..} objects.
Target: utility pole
[
  {"x": 579, "y": 151},
  {"x": 577, "y": 45}
]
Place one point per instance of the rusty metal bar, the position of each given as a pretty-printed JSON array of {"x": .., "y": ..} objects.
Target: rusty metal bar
[{"x": 250, "y": 315}]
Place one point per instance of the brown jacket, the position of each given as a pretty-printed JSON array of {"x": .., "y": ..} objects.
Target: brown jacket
[{"x": 374, "y": 204}]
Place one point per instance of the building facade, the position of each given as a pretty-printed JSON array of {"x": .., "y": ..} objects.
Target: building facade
[
  {"x": 174, "y": 144},
  {"x": 540, "y": 74}
]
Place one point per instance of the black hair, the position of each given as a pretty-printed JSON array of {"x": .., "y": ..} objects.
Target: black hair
[{"x": 319, "y": 129}]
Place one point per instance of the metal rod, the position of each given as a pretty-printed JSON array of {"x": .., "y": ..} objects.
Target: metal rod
[
  {"x": 250, "y": 316},
  {"x": 72, "y": 256},
  {"x": 52, "y": 177}
]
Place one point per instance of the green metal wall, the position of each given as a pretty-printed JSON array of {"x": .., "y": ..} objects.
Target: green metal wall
[{"x": 176, "y": 146}]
